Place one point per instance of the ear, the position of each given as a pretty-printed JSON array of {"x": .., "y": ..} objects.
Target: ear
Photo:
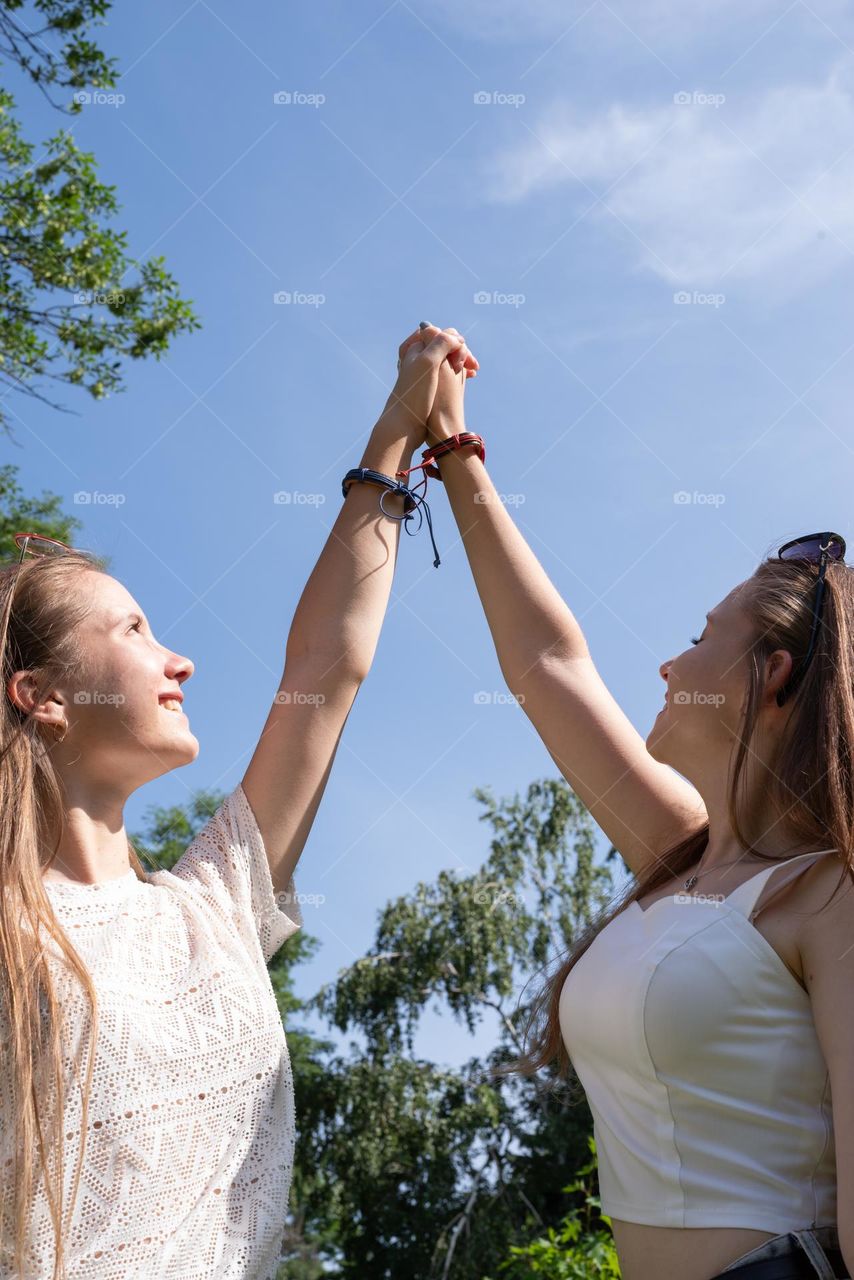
[
  {"x": 22, "y": 691},
  {"x": 779, "y": 667}
]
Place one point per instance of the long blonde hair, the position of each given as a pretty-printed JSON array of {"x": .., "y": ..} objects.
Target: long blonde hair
[
  {"x": 41, "y": 607},
  {"x": 812, "y": 780}
]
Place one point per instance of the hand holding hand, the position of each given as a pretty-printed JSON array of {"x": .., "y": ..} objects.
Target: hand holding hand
[
  {"x": 422, "y": 358},
  {"x": 447, "y": 415}
]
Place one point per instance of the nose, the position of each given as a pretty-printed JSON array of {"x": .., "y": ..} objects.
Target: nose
[{"x": 179, "y": 668}]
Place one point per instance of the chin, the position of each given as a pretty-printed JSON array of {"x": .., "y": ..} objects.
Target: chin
[
  {"x": 178, "y": 749},
  {"x": 653, "y": 747},
  {"x": 192, "y": 749}
]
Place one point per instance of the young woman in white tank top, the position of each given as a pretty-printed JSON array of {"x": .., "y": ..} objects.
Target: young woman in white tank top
[{"x": 747, "y": 766}]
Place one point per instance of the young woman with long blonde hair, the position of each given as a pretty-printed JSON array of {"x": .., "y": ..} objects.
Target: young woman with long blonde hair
[{"x": 146, "y": 1097}]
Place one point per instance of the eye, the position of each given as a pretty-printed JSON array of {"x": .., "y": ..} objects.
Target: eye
[
  {"x": 137, "y": 626},
  {"x": 695, "y": 639}
]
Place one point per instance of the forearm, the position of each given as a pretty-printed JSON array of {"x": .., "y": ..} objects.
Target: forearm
[
  {"x": 337, "y": 622},
  {"x": 531, "y": 624}
]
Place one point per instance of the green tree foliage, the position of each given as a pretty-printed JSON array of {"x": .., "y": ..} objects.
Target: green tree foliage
[
  {"x": 20, "y": 514},
  {"x": 415, "y": 1171},
  {"x": 78, "y": 62},
  {"x": 464, "y": 940},
  {"x": 576, "y": 1250},
  {"x": 67, "y": 314}
]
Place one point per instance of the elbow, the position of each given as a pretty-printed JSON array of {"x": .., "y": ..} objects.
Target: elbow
[
  {"x": 517, "y": 683},
  {"x": 543, "y": 670},
  {"x": 322, "y": 670},
  {"x": 520, "y": 674}
]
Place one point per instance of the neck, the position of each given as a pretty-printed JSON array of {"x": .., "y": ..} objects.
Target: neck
[
  {"x": 764, "y": 829},
  {"x": 94, "y": 845}
]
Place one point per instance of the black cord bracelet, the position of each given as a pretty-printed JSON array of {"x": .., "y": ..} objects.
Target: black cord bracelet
[{"x": 412, "y": 502}]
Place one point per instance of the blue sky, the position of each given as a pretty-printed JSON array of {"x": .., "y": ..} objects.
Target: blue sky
[{"x": 641, "y": 218}]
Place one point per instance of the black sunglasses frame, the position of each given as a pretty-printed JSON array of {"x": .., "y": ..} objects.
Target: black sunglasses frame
[{"x": 821, "y": 547}]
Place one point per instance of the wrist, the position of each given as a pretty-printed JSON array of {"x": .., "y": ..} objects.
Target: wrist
[
  {"x": 440, "y": 427},
  {"x": 398, "y": 429},
  {"x": 390, "y": 448}
]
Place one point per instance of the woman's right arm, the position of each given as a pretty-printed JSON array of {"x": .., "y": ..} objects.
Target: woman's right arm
[{"x": 642, "y": 805}]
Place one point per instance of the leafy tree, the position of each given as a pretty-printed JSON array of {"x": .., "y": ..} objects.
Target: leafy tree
[
  {"x": 574, "y": 1251},
  {"x": 20, "y": 514},
  {"x": 66, "y": 312},
  {"x": 78, "y": 63},
  {"x": 422, "y": 1172}
]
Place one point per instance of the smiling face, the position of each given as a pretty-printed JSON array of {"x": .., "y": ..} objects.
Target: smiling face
[
  {"x": 119, "y": 731},
  {"x": 706, "y": 692}
]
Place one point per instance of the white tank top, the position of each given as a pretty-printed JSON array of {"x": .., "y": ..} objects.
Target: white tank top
[{"x": 698, "y": 1053}]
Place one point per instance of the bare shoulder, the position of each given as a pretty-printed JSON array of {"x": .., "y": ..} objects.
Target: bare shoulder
[
  {"x": 823, "y": 902},
  {"x": 820, "y": 880}
]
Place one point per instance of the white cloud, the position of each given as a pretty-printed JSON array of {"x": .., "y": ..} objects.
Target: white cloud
[{"x": 708, "y": 194}]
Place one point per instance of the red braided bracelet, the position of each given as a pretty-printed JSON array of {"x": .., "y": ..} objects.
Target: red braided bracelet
[{"x": 439, "y": 450}]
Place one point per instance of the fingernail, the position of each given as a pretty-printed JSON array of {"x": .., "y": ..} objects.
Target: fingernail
[{"x": 423, "y": 325}]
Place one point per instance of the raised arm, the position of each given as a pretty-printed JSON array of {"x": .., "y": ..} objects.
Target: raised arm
[
  {"x": 336, "y": 626},
  {"x": 641, "y": 804}
]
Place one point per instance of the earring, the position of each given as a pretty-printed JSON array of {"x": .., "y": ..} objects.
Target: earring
[{"x": 64, "y": 727}]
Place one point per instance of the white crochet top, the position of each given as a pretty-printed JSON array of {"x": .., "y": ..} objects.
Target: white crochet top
[{"x": 191, "y": 1120}]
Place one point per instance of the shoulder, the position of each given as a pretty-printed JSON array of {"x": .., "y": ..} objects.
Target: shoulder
[{"x": 824, "y": 902}]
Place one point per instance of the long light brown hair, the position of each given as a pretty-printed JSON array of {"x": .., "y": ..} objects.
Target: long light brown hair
[
  {"x": 41, "y": 608},
  {"x": 812, "y": 778}
]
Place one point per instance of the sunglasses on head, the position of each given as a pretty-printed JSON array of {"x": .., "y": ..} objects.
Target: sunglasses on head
[
  {"x": 37, "y": 544},
  {"x": 817, "y": 548}
]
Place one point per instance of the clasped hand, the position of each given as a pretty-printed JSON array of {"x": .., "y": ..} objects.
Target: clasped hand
[{"x": 427, "y": 399}]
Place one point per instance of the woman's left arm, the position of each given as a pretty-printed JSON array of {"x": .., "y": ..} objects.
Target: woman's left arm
[{"x": 336, "y": 626}]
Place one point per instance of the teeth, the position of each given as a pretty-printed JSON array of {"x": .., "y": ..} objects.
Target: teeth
[{"x": 171, "y": 704}]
